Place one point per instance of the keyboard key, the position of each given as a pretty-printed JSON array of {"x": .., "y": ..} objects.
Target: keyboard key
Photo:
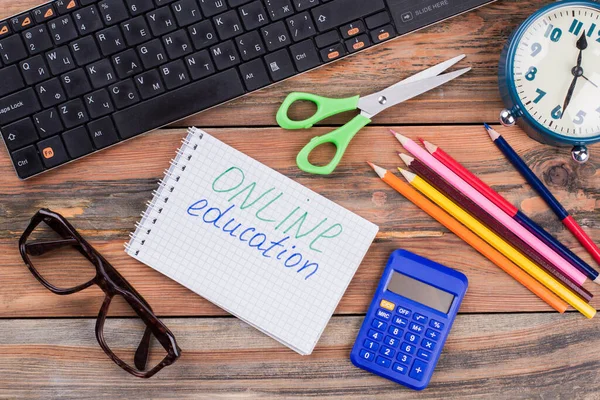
[
  {"x": 174, "y": 74},
  {"x": 377, "y": 20},
  {"x": 333, "y": 53},
  {"x": 19, "y": 134},
  {"x": 65, "y": 6},
  {"x": 112, "y": 11},
  {"x": 305, "y": 55},
  {"x": 186, "y": 12},
  {"x": 352, "y": 29},
  {"x": 62, "y": 30},
  {"x": 253, "y": 15},
  {"x": 101, "y": 73},
  {"x": 60, "y": 60},
  {"x": 200, "y": 65},
  {"x": 159, "y": 110},
  {"x": 50, "y": 92},
  {"x": 177, "y": 44},
  {"x": 225, "y": 55},
  {"x": 305, "y": 4},
  {"x": 386, "y": 351},
  {"x": 358, "y": 43},
  {"x": 103, "y": 132},
  {"x": 399, "y": 368},
  {"x": 123, "y": 94},
  {"x": 278, "y": 9},
  {"x": 110, "y": 40},
  {"x": 136, "y": 31},
  {"x": 338, "y": 12},
  {"x": 44, "y": 13},
  {"x": 371, "y": 345},
  {"x": 428, "y": 344},
  {"x": 21, "y": 22},
  {"x": 37, "y": 39},
  {"x": 408, "y": 348},
  {"x": 202, "y": 34},
  {"x": 250, "y": 45},
  {"x": 34, "y": 70},
  {"x": 4, "y": 29},
  {"x": 379, "y": 325},
  {"x": 98, "y": 103},
  {"x": 416, "y": 327},
  {"x": 425, "y": 355},
  {"x": 47, "y": 122},
  {"x": 27, "y": 162},
  {"x": 149, "y": 84},
  {"x": 401, "y": 322},
  {"x": 327, "y": 39},
  {"x": 418, "y": 370},
  {"x": 53, "y": 151},
  {"x": 390, "y": 341},
  {"x": 276, "y": 36},
  {"x": 383, "y": 314},
  {"x": 395, "y": 331},
  {"x": 280, "y": 65},
  {"x": 404, "y": 358},
  {"x": 373, "y": 334},
  {"x": 411, "y": 338},
  {"x": 127, "y": 64},
  {"x": 10, "y": 80},
  {"x": 436, "y": 324},
  {"x": 367, "y": 355},
  {"x": 405, "y": 312},
  {"x": 84, "y": 50},
  {"x": 420, "y": 318},
  {"x": 75, "y": 83},
  {"x": 137, "y": 7},
  {"x": 228, "y": 25},
  {"x": 77, "y": 142},
  {"x": 301, "y": 26},
  {"x": 18, "y": 105},
  {"x": 382, "y": 34},
  {"x": 152, "y": 53},
  {"x": 12, "y": 49},
  {"x": 431, "y": 334},
  {"x": 254, "y": 74},
  {"x": 161, "y": 21},
  {"x": 212, "y": 7},
  {"x": 87, "y": 20},
  {"x": 73, "y": 113},
  {"x": 384, "y": 362}
]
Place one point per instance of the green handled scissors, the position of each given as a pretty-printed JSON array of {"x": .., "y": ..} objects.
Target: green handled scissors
[{"x": 369, "y": 106}]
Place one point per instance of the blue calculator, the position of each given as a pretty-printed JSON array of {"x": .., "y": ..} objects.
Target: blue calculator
[{"x": 409, "y": 319}]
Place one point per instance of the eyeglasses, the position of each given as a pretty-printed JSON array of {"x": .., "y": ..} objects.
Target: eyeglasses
[{"x": 62, "y": 261}]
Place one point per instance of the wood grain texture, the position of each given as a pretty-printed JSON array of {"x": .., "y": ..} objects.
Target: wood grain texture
[
  {"x": 104, "y": 194},
  {"x": 519, "y": 356}
]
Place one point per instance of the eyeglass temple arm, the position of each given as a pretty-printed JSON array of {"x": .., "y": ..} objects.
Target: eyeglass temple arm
[{"x": 141, "y": 354}]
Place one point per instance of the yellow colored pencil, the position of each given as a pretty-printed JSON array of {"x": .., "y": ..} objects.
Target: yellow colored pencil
[{"x": 498, "y": 243}]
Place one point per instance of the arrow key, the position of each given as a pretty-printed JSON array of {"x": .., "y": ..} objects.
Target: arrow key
[{"x": 19, "y": 134}]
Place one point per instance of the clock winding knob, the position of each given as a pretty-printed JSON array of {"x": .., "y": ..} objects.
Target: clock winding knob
[
  {"x": 507, "y": 118},
  {"x": 580, "y": 154}
]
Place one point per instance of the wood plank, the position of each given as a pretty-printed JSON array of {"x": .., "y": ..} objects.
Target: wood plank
[
  {"x": 480, "y": 34},
  {"x": 103, "y": 196},
  {"x": 520, "y": 356}
]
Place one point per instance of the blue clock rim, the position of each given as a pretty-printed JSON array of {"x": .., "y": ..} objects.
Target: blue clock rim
[{"x": 510, "y": 82}]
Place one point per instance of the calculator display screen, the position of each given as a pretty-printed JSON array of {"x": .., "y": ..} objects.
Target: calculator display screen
[{"x": 420, "y": 292}]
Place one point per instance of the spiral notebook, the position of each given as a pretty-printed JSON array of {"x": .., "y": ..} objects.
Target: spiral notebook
[{"x": 252, "y": 241}]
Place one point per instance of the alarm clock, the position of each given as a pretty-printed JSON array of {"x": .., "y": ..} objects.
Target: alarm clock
[{"x": 549, "y": 76}]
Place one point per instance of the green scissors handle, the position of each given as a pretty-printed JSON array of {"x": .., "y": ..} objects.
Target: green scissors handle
[{"x": 340, "y": 137}]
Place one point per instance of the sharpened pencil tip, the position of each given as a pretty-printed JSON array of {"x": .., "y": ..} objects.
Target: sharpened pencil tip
[
  {"x": 421, "y": 140},
  {"x": 399, "y": 137},
  {"x": 378, "y": 170},
  {"x": 409, "y": 176},
  {"x": 408, "y": 160},
  {"x": 487, "y": 127},
  {"x": 493, "y": 134},
  {"x": 432, "y": 148}
]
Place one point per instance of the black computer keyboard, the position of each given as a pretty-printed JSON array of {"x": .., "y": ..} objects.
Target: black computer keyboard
[{"x": 78, "y": 76}]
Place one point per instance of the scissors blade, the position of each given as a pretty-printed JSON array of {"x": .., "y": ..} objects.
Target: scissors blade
[
  {"x": 377, "y": 102},
  {"x": 431, "y": 72}
]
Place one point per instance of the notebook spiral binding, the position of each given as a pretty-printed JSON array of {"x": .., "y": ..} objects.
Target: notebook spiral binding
[{"x": 160, "y": 195}]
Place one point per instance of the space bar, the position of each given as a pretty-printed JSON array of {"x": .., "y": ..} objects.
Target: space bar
[{"x": 177, "y": 104}]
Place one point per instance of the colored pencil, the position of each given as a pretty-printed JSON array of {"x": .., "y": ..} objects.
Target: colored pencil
[
  {"x": 467, "y": 204},
  {"x": 471, "y": 239},
  {"x": 499, "y": 244},
  {"x": 545, "y": 194},
  {"x": 511, "y": 210},
  {"x": 492, "y": 209}
]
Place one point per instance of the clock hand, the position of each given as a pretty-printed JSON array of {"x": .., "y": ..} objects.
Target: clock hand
[
  {"x": 586, "y": 78},
  {"x": 577, "y": 72}
]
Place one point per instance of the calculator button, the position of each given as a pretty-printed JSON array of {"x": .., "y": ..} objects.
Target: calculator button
[
  {"x": 418, "y": 370},
  {"x": 399, "y": 368},
  {"x": 371, "y": 345},
  {"x": 386, "y": 351},
  {"x": 425, "y": 355},
  {"x": 428, "y": 344},
  {"x": 379, "y": 325},
  {"x": 383, "y": 314},
  {"x": 436, "y": 324},
  {"x": 384, "y": 362},
  {"x": 367, "y": 355},
  {"x": 416, "y": 327},
  {"x": 411, "y": 337},
  {"x": 388, "y": 305},
  {"x": 420, "y": 318},
  {"x": 394, "y": 330},
  {"x": 390, "y": 341},
  {"x": 407, "y": 348},
  {"x": 373, "y": 334},
  {"x": 401, "y": 322},
  {"x": 403, "y": 311},
  {"x": 403, "y": 358},
  {"x": 433, "y": 335}
]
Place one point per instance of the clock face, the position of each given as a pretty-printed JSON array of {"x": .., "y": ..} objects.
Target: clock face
[{"x": 555, "y": 90}]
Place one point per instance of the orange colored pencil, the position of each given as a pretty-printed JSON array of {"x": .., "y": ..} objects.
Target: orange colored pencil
[{"x": 470, "y": 238}]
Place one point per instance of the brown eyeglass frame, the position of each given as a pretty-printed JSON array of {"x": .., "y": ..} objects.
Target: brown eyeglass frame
[{"x": 111, "y": 282}]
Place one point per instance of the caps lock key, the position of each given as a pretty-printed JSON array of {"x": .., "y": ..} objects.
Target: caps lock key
[{"x": 18, "y": 105}]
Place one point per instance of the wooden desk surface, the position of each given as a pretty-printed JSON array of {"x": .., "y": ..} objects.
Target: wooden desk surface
[{"x": 506, "y": 343}]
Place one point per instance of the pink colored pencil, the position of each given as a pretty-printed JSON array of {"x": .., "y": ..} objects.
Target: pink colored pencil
[{"x": 491, "y": 208}]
